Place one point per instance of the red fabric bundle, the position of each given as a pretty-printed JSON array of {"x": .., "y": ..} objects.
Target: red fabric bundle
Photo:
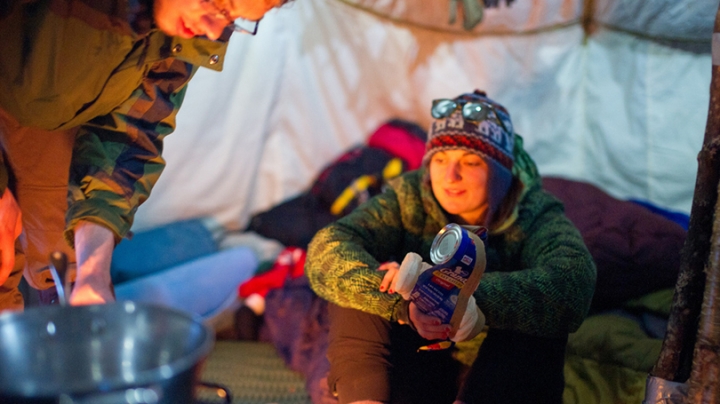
[{"x": 290, "y": 264}]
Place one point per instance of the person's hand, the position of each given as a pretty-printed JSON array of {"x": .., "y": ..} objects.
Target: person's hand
[
  {"x": 429, "y": 327},
  {"x": 387, "y": 283},
  {"x": 402, "y": 279},
  {"x": 10, "y": 229},
  {"x": 93, "y": 245}
]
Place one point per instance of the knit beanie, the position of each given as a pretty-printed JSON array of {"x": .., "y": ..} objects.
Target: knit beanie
[{"x": 491, "y": 137}]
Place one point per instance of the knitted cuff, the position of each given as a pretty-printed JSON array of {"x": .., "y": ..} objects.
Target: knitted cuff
[{"x": 402, "y": 313}]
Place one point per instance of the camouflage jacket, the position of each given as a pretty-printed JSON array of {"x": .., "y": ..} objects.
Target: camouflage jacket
[{"x": 99, "y": 65}]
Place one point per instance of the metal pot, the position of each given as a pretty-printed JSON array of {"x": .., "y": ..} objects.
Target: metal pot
[{"x": 115, "y": 353}]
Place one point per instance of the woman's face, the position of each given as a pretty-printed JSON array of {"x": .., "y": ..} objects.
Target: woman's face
[
  {"x": 189, "y": 18},
  {"x": 459, "y": 181}
]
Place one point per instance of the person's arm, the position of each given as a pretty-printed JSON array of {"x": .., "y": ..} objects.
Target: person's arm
[
  {"x": 117, "y": 157},
  {"x": 550, "y": 294},
  {"x": 343, "y": 258},
  {"x": 116, "y": 161},
  {"x": 93, "y": 247}
]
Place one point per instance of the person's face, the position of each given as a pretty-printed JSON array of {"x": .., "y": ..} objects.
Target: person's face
[
  {"x": 189, "y": 18},
  {"x": 459, "y": 181}
]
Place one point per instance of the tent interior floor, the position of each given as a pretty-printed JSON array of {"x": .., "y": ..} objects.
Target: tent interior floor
[
  {"x": 254, "y": 374},
  {"x": 251, "y": 370}
]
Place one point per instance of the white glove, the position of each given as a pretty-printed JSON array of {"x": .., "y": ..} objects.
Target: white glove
[
  {"x": 410, "y": 269},
  {"x": 472, "y": 323}
]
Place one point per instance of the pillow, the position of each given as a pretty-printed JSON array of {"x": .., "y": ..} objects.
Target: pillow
[
  {"x": 201, "y": 286},
  {"x": 636, "y": 250},
  {"x": 156, "y": 249}
]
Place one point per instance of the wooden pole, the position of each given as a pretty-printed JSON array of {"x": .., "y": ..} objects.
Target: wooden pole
[
  {"x": 675, "y": 362},
  {"x": 704, "y": 378}
]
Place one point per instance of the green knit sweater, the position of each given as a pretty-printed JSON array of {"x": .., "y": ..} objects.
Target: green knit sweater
[{"x": 539, "y": 279}]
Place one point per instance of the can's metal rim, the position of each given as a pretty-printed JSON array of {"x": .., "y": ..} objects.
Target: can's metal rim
[{"x": 437, "y": 255}]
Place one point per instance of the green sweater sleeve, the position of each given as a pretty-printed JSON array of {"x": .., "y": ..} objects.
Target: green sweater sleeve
[
  {"x": 547, "y": 276},
  {"x": 343, "y": 258}
]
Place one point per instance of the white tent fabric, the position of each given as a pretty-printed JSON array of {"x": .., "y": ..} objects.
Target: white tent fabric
[{"x": 622, "y": 108}]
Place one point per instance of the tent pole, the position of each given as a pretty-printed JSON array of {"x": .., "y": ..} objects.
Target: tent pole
[
  {"x": 675, "y": 362},
  {"x": 703, "y": 384}
]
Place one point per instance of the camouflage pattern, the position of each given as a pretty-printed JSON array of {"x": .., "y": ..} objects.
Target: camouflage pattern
[{"x": 99, "y": 65}]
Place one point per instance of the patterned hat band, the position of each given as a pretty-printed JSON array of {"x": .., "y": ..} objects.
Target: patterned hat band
[{"x": 470, "y": 143}]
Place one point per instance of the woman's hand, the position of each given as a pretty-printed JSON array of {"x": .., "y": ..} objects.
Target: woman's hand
[
  {"x": 428, "y": 327},
  {"x": 387, "y": 283},
  {"x": 402, "y": 278}
]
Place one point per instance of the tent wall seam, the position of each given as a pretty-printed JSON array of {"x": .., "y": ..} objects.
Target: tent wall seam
[
  {"x": 654, "y": 37},
  {"x": 587, "y": 20},
  {"x": 401, "y": 21},
  {"x": 276, "y": 91}
]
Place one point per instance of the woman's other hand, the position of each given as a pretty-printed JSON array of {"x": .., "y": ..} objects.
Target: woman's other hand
[{"x": 429, "y": 327}]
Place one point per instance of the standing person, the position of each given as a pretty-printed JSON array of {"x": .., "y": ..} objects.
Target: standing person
[
  {"x": 88, "y": 91},
  {"x": 536, "y": 289}
]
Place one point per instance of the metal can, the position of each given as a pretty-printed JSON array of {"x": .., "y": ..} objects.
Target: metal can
[
  {"x": 440, "y": 289},
  {"x": 454, "y": 246}
]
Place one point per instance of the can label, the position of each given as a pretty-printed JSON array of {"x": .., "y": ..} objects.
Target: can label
[{"x": 454, "y": 252}]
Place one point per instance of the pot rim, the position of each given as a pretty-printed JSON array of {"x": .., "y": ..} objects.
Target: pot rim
[{"x": 141, "y": 378}]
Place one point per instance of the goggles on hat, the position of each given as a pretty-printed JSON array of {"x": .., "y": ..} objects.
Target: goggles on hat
[{"x": 474, "y": 111}]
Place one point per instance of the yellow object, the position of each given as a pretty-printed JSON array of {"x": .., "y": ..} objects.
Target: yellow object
[
  {"x": 436, "y": 346},
  {"x": 359, "y": 185},
  {"x": 392, "y": 169}
]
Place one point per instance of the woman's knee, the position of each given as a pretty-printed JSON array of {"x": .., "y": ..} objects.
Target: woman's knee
[
  {"x": 357, "y": 336},
  {"x": 359, "y": 355}
]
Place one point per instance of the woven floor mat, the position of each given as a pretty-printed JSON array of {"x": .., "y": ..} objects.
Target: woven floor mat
[{"x": 254, "y": 373}]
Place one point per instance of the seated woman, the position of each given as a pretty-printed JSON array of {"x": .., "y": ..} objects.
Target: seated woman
[{"x": 536, "y": 289}]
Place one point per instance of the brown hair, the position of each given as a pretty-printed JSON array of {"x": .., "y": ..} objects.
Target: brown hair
[{"x": 507, "y": 207}]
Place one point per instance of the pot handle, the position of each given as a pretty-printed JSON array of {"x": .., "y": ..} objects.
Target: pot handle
[
  {"x": 58, "y": 270},
  {"x": 220, "y": 390},
  {"x": 138, "y": 395}
]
